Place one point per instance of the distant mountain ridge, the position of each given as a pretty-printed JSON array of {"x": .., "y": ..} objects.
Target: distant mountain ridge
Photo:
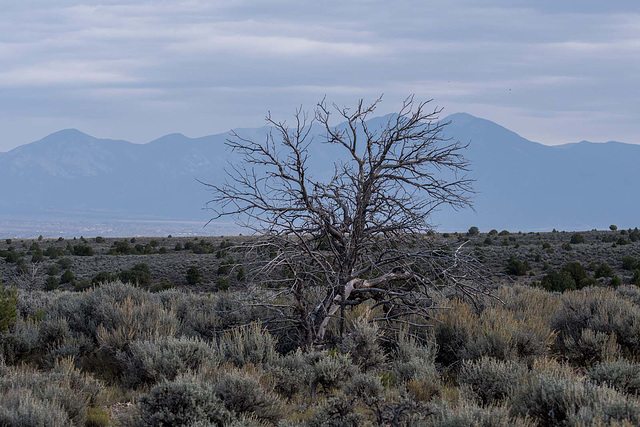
[{"x": 520, "y": 184}]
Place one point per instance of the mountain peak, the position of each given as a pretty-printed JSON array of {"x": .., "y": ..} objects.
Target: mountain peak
[{"x": 67, "y": 135}]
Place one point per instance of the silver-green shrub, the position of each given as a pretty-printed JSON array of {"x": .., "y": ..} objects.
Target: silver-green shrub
[
  {"x": 247, "y": 344},
  {"x": 620, "y": 374},
  {"x": 183, "y": 402},
  {"x": 491, "y": 380},
  {"x": 244, "y": 394},
  {"x": 149, "y": 362}
]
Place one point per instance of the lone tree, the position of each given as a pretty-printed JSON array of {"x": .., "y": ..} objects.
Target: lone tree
[{"x": 362, "y": 234}]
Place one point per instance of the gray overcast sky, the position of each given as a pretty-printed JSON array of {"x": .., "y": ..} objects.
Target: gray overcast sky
[{"x": 553, "y": 71}]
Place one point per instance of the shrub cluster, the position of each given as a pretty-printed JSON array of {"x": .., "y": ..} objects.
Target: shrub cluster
[{"x": 184, "y": 358}]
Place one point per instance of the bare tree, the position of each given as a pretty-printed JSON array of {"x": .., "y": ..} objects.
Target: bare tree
[{"x": 360, "y": 235}]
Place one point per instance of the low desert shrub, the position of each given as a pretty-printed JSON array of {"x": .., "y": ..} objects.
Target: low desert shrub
[
  {"x": 338, "y": 410},
  {"x": 247, "y": 344},
  {"x": 491, "y": 380},
  {"x": 630, "y": 293},
  {"x": 366, "y": 387},
  {"x": 330, "y": 370},
  {"x": 550, "y": 395},
  {"x": 292, "y": 374},
  {"x": 131, "y": 320},
  {"x": 600, "y": 310},
  {"x": 150, "y": 362},
  {"x": 606, "y": 407},
  {"x": 592, "y": 347},
  {"x": 243, "y": 393},
  {"x": 18, "y": 407},
  {"x": 64, "y": 389},
  {"x": 468, "y": 414},
  {"x": 183, "y": 402},
  {"x": 621, "y": 374},
  {"x": 362, "y": 344},
  {"x": 462, "y": 333}
]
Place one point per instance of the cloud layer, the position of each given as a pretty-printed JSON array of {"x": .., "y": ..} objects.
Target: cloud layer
[{"x": 553, "y": 71}]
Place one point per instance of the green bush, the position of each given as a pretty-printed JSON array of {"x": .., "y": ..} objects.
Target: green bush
[
  {"x": 473, "y": 231},
  {"x": 576, "y": 238},
  {"x": 103, "y": 277},
  {"x": 576, "y": 270},
  {"x": 67, "y": 277},
  {"x": 630, "y": 263},
  {"x": 64, "y": 263},
  {"x": 517, "y": 267},
  {"x": 82, "y": 285},
  {"x": 51, "y": 283},
  {"x": 8, "y": 307},
  {"x": 53, "y": 252},
  {"x": 603, "y": 270},
  {"x": 223, "y": 284},
  {"x": 636, "y": 277},
  {"x": 622, "y": 241},
  {"x": 82, "y": 250},
  {"x": 613, "y": 227},
  {"x": 193, "y": 275},
  {"x": 163, "y": 285},
  {"x": 37, "y": 256},
  {"x": 558, "y": 281},
  {"x": 139, "y": 275}
]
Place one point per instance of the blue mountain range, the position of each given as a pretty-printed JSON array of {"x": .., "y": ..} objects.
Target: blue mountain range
[{"x": 519, "y": 184}]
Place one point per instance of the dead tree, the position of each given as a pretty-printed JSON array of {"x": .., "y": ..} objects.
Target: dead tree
[{"x": 361, "y": 235}]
